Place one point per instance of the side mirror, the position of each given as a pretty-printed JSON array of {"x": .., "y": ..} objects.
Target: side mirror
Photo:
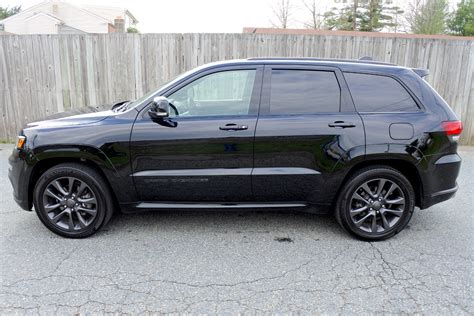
[{"x": 160, "y": 108}]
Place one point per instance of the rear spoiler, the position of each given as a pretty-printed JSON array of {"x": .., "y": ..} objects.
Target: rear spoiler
[{"x": 421, "y": 72}]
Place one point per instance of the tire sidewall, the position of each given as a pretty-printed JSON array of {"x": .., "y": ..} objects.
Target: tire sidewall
[
  {"x": 354, "y": 183},
  {"x": 95, "y": 186}
]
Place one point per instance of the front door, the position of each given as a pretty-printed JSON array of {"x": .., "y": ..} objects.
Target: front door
[
  {"x": 204, "y": 150},
  {"x": 306, "y": 127}
]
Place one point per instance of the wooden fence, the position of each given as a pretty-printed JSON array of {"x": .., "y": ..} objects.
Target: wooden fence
[{"x": 45, "y": 74}]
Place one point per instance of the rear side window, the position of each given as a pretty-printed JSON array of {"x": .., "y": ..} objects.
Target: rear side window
[
  {"x": 375, "y": 93},
  {"x": 304, "y": 92}
]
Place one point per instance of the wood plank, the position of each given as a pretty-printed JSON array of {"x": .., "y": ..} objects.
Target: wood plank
[{"x": 43, "y": 74}]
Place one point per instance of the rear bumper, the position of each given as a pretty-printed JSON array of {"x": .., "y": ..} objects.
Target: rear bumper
[
  {"x": 438, "y": 197},
  {"x": 439, "y": 180}
]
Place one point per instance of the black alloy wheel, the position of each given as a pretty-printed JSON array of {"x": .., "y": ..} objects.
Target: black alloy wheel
[
  {"x": 375, "y": 203},
  {"x": 73, "y": 200},
  {"x": 69, "y": 203}
]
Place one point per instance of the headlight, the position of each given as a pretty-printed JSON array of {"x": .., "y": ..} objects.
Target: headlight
[{"x": 20, "y": 143}]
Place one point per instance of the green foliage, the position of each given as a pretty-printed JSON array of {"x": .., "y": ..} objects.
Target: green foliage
[
  {"x": 368, "y": 16},
  {"x": 6, "y": 12},
  {"x": 461, "y": 22},
  {"x": 428, "y": 17},
  {"x": 132, "y": 30},
  {"x": 339, "y": 19},
  {"x": 397, "y": 15},
  {"x": 374, "y": 17}
]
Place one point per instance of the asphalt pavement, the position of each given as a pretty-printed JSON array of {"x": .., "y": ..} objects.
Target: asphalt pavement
[{"x": 238, "y": 262}]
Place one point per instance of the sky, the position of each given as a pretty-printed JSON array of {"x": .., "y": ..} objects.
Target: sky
[{"x": 197, "y": 16}]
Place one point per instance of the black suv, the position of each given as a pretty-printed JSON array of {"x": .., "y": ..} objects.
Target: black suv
[{"x": 367, "y": 141}]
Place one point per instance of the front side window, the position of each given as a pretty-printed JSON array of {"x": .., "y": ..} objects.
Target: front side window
[
  {"x": 376, "y": 93},
  {"x": 304, "y": 92},
  {"x": 221, "y": 93}
]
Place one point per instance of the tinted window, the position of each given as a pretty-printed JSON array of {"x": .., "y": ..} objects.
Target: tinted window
[
  {"x": 373, "y": 93},
  {"x": 221, "y": 93},
  {"x": 304, "y": 91}
]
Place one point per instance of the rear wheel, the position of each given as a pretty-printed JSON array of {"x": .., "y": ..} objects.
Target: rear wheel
[
  {"x": 376, "y": 203},
  {"x": 72, "y": 200}
]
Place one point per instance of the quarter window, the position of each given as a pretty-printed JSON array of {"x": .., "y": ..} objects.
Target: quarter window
[
  {"x": 304, "y": 92},
  {"x": 376, "y": 93},
  {"x": 221, "y": 93}
]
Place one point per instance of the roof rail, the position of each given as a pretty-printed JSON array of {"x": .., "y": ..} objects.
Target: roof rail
[
  {"x": 364, "y": 61},
  {"x": 366, "y": 58}
]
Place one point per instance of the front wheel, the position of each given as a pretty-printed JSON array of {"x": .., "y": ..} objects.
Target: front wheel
[
  {"x": 72, "y": 200},
  {"x": 375, "y": 203}
]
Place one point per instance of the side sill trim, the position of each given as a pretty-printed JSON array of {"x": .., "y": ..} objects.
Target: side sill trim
[
  {"x": 282, "y": 171},
  {"x": 448, "y": 159},
  {"x": 448, "y": 191},
  {"x": 170, "y": 205},
  {"x": 225, "y": 172}
]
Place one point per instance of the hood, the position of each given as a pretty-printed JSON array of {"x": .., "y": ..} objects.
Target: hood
[{"x": 81, "y": 116}]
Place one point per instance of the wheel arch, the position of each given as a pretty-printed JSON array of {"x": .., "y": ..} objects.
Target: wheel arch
[
  {"x": 405, "y": 167},
  {"x": 44, "y": 164}
]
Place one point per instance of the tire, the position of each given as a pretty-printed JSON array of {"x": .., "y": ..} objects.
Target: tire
[
  {"x": 66, "y": 214},
  {"x": 356, "y": 216}
]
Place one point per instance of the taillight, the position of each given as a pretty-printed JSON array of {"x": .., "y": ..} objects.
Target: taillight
[{"x": 452, "y": 128}]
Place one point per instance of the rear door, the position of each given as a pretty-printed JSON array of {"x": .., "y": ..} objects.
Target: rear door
[{"x": 307, "y": 125}]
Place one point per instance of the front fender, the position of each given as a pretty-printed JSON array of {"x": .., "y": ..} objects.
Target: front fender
[
  {"x": 116, "y": 174},
  {"x": 79, "y": 152}
]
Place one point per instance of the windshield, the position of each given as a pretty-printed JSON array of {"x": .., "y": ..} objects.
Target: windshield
[
  {"x": 147, "y": 97},
  {"x": 139, "y": 100}
]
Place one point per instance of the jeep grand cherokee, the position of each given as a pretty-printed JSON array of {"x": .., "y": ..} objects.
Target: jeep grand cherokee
[{"x": 366, "y": 141}]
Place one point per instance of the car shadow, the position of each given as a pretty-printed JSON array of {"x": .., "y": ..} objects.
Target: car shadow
[{"x": 278, "y": 222}]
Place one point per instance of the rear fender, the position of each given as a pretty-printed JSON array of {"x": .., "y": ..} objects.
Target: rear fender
[{"x": 361, "y": 156}]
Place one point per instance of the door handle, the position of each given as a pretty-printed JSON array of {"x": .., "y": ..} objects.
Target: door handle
[
  {"x": 341, "y": 124},
  {"x": 233, "y": 127}
]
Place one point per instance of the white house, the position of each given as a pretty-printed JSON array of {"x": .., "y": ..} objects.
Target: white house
[{"x": 61, "y": 17}]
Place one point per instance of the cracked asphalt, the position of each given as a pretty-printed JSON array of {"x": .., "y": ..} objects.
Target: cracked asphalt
[{"x": 238, "y": 262}]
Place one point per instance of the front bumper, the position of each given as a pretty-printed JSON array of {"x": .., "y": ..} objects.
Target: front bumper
[{"x": 19, "y": 174}]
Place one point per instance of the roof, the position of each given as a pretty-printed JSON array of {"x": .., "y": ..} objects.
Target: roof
[
  {"x": 22, "y": 12},
  {"x": 108, "y": 14},
  {"x": 50, "y": 16}
]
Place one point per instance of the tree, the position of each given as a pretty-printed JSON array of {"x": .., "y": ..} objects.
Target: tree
[
  {"x": 355, "y": 7},
  {"x": 461, "y": 22},
  {"x": 373, "y": 17},
  {"x": 6, "y": 12},
  {"x": 427, "y": 16},
  {"x": 397, "y": 19},
  {"x": 368, "y": 16},
  {"x": 132, "y": 29},
  {"x": 282, "y": 14},
  {"x": 342, "y": 19},
  {"x": 315, "y": 22}
]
